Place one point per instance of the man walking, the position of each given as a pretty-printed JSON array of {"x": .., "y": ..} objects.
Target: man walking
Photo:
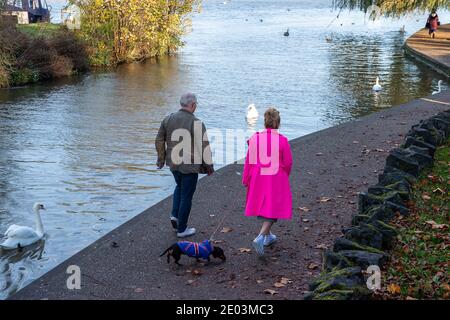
[{"x": 182, "y": 144}]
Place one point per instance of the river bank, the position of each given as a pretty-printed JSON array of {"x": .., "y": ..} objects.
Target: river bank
[
  {"x": 330, "y": 168},
  {"x": 433, "y": 52},
  {"x": 38, "y": 52}
]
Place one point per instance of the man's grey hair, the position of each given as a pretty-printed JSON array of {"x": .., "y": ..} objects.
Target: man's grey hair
[{"x": 187, "y": 99}]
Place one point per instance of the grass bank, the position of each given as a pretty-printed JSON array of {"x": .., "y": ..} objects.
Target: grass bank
[
  {"x": 42, "y": 51},
  {"x": 420, "y": 258}
]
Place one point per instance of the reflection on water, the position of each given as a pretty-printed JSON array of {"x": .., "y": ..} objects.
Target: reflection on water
[
  {"x": 83, "y": 146},
  {"x": 19, "y": 266}
]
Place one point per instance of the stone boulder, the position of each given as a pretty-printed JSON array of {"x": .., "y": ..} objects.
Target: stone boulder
[
  {"x": 400, "y": 159},
  {"x": 344, "y": 278},
  {"x": 389, "y": 233},
  {"x": 333, "y": 260},
  {"x": 364, "y": 234},
  {"x": 376, "y": 212},
  {"x": 411, "y": 141},
  {"x": 364, "y": 259},
  {"x": 346, "y": 244},
  {"x": 391, "y": 199}
]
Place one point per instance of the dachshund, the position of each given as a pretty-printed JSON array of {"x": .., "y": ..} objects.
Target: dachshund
[{"x": 196, "y": 250}]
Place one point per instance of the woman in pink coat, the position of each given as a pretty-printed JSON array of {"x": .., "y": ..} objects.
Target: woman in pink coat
[{"x": 266, "y": 176}]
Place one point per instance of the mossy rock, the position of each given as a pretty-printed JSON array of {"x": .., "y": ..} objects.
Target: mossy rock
[
  {"x": 384, "y": 190},
  {"x": 333, "y": 295},
  {"x": 360, "y": 292},
  {"x": 391, "y": 199},
  {"x": 332, "y": 260},
  {"x": 364, "y": 259},
  {"x": 336, "y": 272},
  {"x": 391, "y": 175},
  {"x": 346, "y": 244},
  {"x": 412, "y": 141},
  {"x": 365, "y": 234},
  {"x": 389, "y": 232}
]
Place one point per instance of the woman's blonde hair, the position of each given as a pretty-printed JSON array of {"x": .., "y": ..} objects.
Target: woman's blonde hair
[{"x": 272, "y": 118}]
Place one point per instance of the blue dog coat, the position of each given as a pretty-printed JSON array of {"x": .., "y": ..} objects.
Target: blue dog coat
[{"x": 195, "y": 249}]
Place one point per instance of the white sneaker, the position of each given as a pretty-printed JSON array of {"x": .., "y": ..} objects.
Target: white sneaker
[
  {"x": 258, "y": 244},
  {"x": 270, "y": 239},
  {"x": 187, "y": 233},
  {"x": 174, "y": 222}
]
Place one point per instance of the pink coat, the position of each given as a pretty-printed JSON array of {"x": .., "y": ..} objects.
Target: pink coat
[{"x": 266, "y": 176}]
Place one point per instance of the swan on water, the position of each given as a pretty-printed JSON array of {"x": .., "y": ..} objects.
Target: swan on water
[
  {"x": 286, "y": 34},
  {"x": 252, "y": 113},
  {"x": 17, "y": 237},
  {"x": 377, "y": 87},
  {"x": 439, "y": 88}
]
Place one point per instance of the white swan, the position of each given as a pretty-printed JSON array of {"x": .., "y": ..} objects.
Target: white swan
[
  {"x": 377, "y": 87},
  {"x": 20, "y": 236},
  {"x": 252, "y": 113},
  {"x": 439, "y": 88}
]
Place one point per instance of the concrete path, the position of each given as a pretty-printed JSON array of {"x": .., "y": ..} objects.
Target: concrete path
[
  {"x": 330, "y": 167},
  {"x": 435, "y": 52}
]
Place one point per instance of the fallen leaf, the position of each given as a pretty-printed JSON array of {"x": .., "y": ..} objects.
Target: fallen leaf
[
  {"x": 270, "y": 291},
  {"x": 138, "y": 290},
  {"x": 278, "y": 285},
  {"x": 304, "y": 209},
  {"x": 244, "y": 250},
  {"x": 393, "y": 288},
  {"x": 312, "y": 266},
  {"x": 259, "y": 281},
  {"x": 439, "y": 190},
  {"x": 410, "y": 298},
  {"x": 319, "y": 154},
  {"x": 426, "y": 197},
  {"x": 306, "y": 228},
  {"x": 322, "y": 246},
  {"x": 435, "y": 225},
  {"x": 226, "y": 230},
  {"x": 305, "y": 220},
  {"x": 325, "y": 199},
  {"x": 197, "y": 272},
  {"x": 285, "y": 280}
]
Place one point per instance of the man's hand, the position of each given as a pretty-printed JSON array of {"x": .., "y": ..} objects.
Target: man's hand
[{"x": 210, "y": 171}]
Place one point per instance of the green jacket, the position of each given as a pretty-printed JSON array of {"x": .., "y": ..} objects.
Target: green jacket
[{"x": 182, "y": 144}]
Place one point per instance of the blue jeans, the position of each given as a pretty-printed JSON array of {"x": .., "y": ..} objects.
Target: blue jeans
[{"x": 182, "y": 197}]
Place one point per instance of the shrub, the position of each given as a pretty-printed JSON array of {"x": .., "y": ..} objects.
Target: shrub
[{"x": 69, "y": 46}]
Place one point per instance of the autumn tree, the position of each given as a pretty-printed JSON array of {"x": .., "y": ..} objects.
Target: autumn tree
[
  {"x": 393, "y": 8},
  {"x": 120, "y": 31}
]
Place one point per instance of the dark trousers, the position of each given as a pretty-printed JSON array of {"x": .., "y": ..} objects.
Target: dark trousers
[{"x": 182, "y": 197}]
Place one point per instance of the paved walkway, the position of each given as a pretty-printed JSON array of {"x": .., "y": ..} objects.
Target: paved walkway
[
  {"x": 332, "y": 164},
  {"x": 432, "y": 51}
]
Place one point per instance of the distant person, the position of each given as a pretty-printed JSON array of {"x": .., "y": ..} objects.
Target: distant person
[
  {"x": 432, "y": 24},
  {"x": 266, "y": 175},
  {"x": 183, "y": 145}
]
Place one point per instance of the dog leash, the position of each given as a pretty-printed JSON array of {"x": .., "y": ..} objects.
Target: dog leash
[{"x": 218, "y": 227}]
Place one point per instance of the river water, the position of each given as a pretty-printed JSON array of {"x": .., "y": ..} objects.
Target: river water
[{"x": 84, "y": 145}]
